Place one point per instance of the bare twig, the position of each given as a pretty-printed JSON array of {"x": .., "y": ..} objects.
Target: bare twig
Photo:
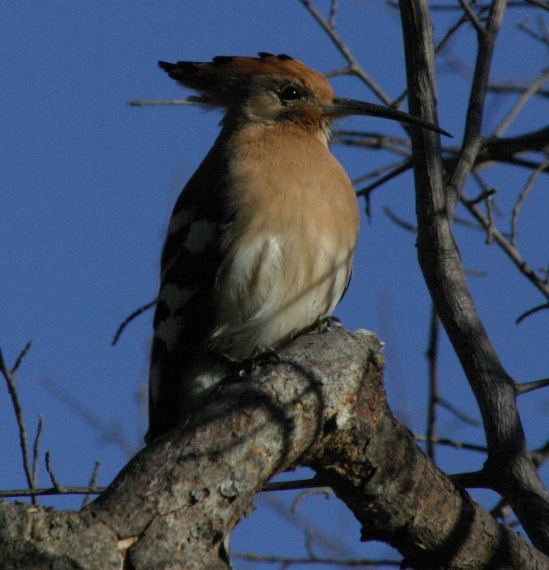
[
  {"x": 111, "y": 433},
  {"x": 50, "y": 491},
  {"x": 402, "y": 167},
  {"x": 399, "y": 221},
  {"x": 377, "y": 172},
  {"x": 523, "y": 99},
  {"x": 22, "y": 355},
  {"x": 9, "y": 376},
  {"x": 487, "y": 35},
  {"x": 522, "y": 197},
  {"x": 313, "y": 482},
  {"x": 53, "y": 478},
  {"x": 149, "y": 103},
  {"x": 287, "y": 562},
  {"x": 496, "y": 87},
  {"x": 331, "y": 17},
  {"x": 453, "y": 443},
  {"x": 326, "y": 491},
  {"x": 130, "y": 318},
  {"x": 483, "y": 196},
  {"x": 531, "y": 386},
  {"x": 539, "y": 4},
  {"x": 92, "y": 483},
  {"x": 35, "y": 450},
  {"x": 510, "y": 250},
  {"x": 458, "y": 413},
  {"x": 372, "y": 140},
  {"x": 330, "y": 542},
  {"x": 434, "y": 395},
  {"x": 354, "y": 67},
  {"x": 531, "y": 312},
  {"x": 508, "y": 469},
  {"x": 473, "y": 17}
]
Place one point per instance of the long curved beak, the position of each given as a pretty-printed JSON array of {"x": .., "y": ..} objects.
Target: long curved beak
[{"x": 345, "y": 107}]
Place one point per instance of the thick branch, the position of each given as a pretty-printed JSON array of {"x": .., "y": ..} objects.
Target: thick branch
[
  {"x": 323, "y": 405},
  {"x": 509, "y": 469}
]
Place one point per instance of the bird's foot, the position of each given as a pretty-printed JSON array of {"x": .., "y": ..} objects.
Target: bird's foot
[
  {"x": 262, "y": 355},
  {"x": 323, "y": 324}
]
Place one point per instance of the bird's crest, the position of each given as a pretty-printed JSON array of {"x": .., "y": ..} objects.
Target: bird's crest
[{"x": 226, "y": 79}]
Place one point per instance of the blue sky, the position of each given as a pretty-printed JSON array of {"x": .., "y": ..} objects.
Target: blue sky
[{"x": 88, "y": 184}]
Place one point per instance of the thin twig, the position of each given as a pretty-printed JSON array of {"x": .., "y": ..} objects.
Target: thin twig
[
  {"x": 490, "y": 216},
  {"x": 473, "y": 17},
  {"x": 514, "y": 88},
  {"x": 286, "y": 562},
  {"x": 47, "y": 491},
  {"x": 111, "y": 433},
  {"x": 92, "y": 483},
  {"x": 23, "y": 439},
  {"x": 130, "y": 318},
  {"x": 510, "y": 250},
  {"x": 355, "y": 68},
  {"x": 487, "y": 36},
  {"x": 522, "y": 196},
  {"x": 314, "y": 482},
  {"x": 331, "y": 17},
  {"x": 434, "y": 395},
  {"x": 35, "y": 450},
  {"x": 53, "y": 478},
  {"x": 523, "y": 99},
  {"x": 149, "y": 103},
  {"x": 439, "y": 50},
  {"x": 399, "y": 221},
  {"x": 326, "y": 491},
  {"x": 526, "y": 387},
  {"x": 459, "y": 414},
  {"x": 539, "y": 4},
  {"x": 375, "y": 173},
  {"x": 483, "y": 196},
  {"x": 403, "y": 167},
  {"x": 531, "y": 312},
  {"x": 453, "y": 443},
  {"x": 20, "y": 357}
]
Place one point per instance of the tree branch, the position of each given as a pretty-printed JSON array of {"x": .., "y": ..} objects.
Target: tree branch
[
  {"x": 487, "y": 36},
  {"x": 323, "y": 406},
  {"x": 508, "y": 468}
]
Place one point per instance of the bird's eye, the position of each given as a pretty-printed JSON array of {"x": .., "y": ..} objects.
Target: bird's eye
[{"x": 289, "y": 93}]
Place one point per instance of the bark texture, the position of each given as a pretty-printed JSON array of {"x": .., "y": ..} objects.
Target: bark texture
[{"x": 322, "y": 405}]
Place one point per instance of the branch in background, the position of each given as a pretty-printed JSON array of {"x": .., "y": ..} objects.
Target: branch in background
[
  {"x": 522, "y": 197},
  {"x": 92, "y": 484},
  {"x": 487, "y": 35},
  {"x": 537, "y": 84},
  {"x": 130, "y": 318},
  {"x": 510, "y": 250},
  {"x": 526, "y": 387},
  {"x": 453, "y": 443},
  {"x": 9, "y": 376},
  {"x": 434, "y": 395},
  {"x": 354, "y": 67},
  {"x": 111, "y": 433},
  {"x": 531, "y": 312},
  {"x": 287, "y": 562},
  {"x": 508, "y": 469},
  {"x": 56, "y": 485},
  {"x": 35, "y": 450},
  {"x": 152, "y": 103}
]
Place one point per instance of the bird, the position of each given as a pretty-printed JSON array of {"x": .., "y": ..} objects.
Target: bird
[{"x": 261, "y": 240}]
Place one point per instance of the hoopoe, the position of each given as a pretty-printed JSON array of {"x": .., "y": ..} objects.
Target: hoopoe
[{"x": 261, "y": 240}]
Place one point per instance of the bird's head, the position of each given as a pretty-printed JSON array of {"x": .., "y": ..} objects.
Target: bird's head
[{"x": 274, "y": 89}]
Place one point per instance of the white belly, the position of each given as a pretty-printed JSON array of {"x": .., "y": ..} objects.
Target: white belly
[{"x": 272, "y": 289}]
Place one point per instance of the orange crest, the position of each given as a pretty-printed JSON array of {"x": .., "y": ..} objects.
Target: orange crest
[{"x": 226, "y": 79}]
